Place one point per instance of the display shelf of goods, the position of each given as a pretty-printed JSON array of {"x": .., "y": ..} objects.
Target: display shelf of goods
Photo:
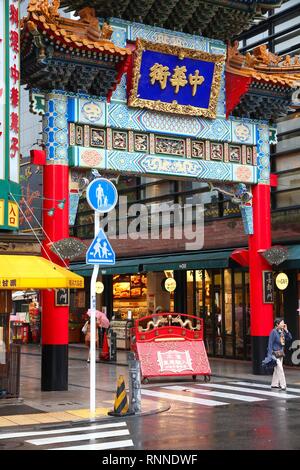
[
  {"x": 138, "y": 308},
  {"x": 119, "y": 327}
]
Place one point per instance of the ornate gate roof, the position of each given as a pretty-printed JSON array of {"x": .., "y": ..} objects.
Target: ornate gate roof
[
  {"x": 219, "y": 19},
  {"x": 70, "y": 55},
  {"x": 260, "y": 85}
]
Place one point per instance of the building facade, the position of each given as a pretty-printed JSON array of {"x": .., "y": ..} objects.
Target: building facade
[{"x": 209, "y": 282}]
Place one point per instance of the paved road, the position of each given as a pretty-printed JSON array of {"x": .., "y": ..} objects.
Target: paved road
[{"x": 225, "y": 414}]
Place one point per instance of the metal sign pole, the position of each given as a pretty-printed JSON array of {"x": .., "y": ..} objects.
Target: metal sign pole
[
  {"x": 93, "y": 326},
  {"x": 102, "y": 196}
]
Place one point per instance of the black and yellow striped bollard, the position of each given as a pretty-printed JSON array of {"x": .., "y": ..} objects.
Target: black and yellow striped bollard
[{"x": 121, "y": 407}]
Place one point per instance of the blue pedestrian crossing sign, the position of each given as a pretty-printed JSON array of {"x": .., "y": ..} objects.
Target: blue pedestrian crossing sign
[
  {"x": 100, "y": 251},
  {"x": 102, "y": 195}
]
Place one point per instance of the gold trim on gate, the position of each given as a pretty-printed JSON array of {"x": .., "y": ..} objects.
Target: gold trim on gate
[
  {"x": 176, "y": 338},
  {"x": 181, "y": 52}
]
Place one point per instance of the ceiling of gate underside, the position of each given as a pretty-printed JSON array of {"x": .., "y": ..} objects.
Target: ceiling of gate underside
[{"x": 219, "y": 19}]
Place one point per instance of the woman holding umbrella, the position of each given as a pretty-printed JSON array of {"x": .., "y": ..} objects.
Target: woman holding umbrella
[{"x": 101, "y": 322}]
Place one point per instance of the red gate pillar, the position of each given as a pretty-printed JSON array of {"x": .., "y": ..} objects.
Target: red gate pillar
[
  {"x": 261, "y": 314},
  {"x": 55, "y": 319}
]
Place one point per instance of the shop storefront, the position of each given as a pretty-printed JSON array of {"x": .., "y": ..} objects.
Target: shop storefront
[
  {"x": 133, "y": 296},
  {"x": 221, "y": 298},
  {"x": 136, "y": 288},
  {"x": 25, "y": 320},
  {"x": 209, "y": 285},
  {"x": 19, "y": 273}
]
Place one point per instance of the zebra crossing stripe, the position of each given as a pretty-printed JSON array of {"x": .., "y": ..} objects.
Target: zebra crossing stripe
[
  {"x": 14, "y": 435},
  {"x": 231, "y": 396},
  {"x": 252, "y": 384},
  {"x": 182, "y": 398},
  {"x": 278, "y": 394},
  {"x": 79, "y": 437},
  {"x": 100, "y": 446}
]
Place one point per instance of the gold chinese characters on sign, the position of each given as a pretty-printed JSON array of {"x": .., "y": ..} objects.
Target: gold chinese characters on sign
[
  {"x": 160, "y": 73},
  {"x": 167, "y": 75}
]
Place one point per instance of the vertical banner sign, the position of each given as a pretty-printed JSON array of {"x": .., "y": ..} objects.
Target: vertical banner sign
[
  {"x": 13, "y": 101},
  {"x": 9, "y": 113},
  {"x": 2, "y": 90}
]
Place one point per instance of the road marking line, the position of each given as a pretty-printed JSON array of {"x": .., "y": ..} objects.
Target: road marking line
[
  {"x": 289, "y": 389},
  {"x": 232, "y": 396},
  {"x": 79, "y": 437},
  {"x": 102, "y": 446},
  {"x": 14, "y": 435},
  {"x": 183, "y": 398},
  {"x": 278, "y": 394}
]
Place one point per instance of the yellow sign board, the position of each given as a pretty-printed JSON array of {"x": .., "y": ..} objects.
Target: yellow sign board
[
  {"x": 2, "y": 206},
  {"x": 13, "y": 214}
]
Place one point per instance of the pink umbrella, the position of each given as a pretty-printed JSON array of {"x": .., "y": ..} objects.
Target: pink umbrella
[{"x": 102, "y": 319}]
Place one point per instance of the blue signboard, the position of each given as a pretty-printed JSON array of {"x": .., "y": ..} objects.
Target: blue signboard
[
  {"x": 175, "y": 79},
  {"x": 166, "y": 77},
  {"x": 102, "y": 195},
  {"x": 100, "y": 251}
]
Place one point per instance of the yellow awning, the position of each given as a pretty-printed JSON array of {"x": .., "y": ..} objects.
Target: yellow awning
[{"x": 34, "y": 272}]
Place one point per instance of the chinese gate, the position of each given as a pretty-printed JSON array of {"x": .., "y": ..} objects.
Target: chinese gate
[{"x": 125, "y": 97}]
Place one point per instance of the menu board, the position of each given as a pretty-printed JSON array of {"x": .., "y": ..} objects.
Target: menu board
[{"x": 129, "y": 286}]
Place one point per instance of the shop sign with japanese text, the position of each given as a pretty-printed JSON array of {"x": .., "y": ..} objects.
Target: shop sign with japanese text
[
  {"x": 9, "y": 111},
  {"x": 174, "y": 361},
  {"x": 268, "y": 287},
  {"x": 8, "y": 283},
  {"x": 2, "y": 205},
  {"x": 13, "y": 214},
  {"x": 72, "y": 283},
  {"x": 14, "y": 90},
  {"x": 175, "y": 79},
  {"x": 2, "y": 89}
]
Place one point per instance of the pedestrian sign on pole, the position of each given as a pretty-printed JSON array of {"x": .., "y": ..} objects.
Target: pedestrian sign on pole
[
  {"x": 100, "y": 251},
  {"x": 102, "y": 195}
]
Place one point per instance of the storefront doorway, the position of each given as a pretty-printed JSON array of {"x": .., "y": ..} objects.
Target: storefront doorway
[{"x": 221, "y": 298}]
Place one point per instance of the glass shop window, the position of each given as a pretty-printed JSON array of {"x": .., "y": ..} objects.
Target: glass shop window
[
  {"x": 239, "y": 314},
  {"x": 190, "y": 293},
  {"x": 218, "y": 313},
  {"x": 228, "y": 313}
]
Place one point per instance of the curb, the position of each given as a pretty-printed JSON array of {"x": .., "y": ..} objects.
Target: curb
[{"x": 51, "y": 425}]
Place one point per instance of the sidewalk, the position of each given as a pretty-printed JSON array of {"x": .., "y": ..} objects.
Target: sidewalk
[{"x": 35, "y": 407}]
